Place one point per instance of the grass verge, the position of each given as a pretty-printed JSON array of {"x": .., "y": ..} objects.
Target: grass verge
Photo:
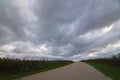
[
  {"x": 12, "y": 76},
  {"x": 110, "y": 70}
]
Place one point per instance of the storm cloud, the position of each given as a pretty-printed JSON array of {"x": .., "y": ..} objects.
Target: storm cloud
[{"x": 59, "y": 29}]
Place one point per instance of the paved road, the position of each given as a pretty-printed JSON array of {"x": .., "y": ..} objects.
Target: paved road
[{"x": 75, "y": 71}]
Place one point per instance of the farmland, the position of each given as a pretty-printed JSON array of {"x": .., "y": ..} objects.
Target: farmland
[
  {"x": 110, "y": 66},
  {"x": 15, "y": 68}
]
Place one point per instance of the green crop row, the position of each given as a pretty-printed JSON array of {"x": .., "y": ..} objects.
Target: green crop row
[
  {"x": 113, "y": 60},
  {"x": 16, "y": 65}
]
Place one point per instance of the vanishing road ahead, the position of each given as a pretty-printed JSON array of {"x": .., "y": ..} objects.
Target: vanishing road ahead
[{"x": 75, "y": 71}]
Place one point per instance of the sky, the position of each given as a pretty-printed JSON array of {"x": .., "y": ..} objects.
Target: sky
[{"x": 59, "y": 29}]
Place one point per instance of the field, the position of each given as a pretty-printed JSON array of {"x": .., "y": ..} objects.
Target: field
[
  {"x": 15, "y": 68},
  {"x": 110, "y": 66}
]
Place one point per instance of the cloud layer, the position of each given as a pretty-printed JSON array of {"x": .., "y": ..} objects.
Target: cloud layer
[{"x": 59, "y": 29}]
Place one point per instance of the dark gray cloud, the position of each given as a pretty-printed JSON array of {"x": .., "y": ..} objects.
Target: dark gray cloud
[
  {"x": 11, "y": 25},
  {"x": 74, "y": 29}
]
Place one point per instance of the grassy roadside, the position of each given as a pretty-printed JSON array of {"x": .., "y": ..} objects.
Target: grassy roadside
[
  {"x": 11, "y": 76},
  {"x": 109, "y": 70}
]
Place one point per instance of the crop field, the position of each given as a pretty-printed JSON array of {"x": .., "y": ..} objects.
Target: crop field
[
  {"x": 109, "y": 66},
  {"x": 16, "y": 66}
]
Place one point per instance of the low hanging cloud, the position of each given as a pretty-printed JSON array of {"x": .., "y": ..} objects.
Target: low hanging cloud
[{"x": 59, "y": 29}]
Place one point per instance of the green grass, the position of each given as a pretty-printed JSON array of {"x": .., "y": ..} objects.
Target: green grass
[
  {"x": 110, "y": 70},
  {"x": 34, "y": 67}
]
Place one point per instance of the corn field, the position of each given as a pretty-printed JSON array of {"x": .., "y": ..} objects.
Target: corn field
[
  {"x": 16, "y": 65},
  {"x": 113, "y": 60}
]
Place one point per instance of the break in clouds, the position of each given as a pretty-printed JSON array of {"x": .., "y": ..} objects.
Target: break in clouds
[{"x": 59, "y": 29}]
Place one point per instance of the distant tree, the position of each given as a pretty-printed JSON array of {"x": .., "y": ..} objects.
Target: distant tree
[
  {"x": 119, "y": 56},
  {"x": 114, "y": 57}
]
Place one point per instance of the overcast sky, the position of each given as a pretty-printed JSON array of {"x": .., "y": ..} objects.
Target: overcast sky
[{"x": 59, "y": 29}]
